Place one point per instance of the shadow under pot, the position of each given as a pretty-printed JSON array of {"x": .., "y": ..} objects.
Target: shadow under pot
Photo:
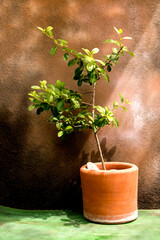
[{"x": 110, "y": 196}]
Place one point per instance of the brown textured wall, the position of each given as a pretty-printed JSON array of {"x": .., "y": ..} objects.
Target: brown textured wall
[{"x": 39, "y": 170}]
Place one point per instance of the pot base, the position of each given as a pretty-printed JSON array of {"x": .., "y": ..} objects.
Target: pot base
[{"x": 111, "y": 219}]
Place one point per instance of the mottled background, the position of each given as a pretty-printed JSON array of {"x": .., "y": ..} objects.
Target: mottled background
[{"x": 39, "y": 170}]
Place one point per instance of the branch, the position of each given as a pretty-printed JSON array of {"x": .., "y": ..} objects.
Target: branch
[
  {"x": 85, "y": 92},
  {"x": 93, "y": 99},
  {"x": 110, "y": 59},
  {"x": 87, "y": 104},
  {"x": 59, "y": 45},
  {"x": 100, "y": 151},
  {"x": 77, "y": 126}
]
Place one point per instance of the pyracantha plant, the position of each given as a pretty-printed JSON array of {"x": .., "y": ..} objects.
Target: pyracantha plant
[{"x": 68, "y": 110}]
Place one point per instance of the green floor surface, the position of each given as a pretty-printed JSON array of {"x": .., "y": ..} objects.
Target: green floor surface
[{"x": 70, "y": 225}]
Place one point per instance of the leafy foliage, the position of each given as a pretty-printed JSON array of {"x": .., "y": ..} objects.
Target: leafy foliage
[
  {"x": 90, "y": 69},
  {"x": 68, "y": 111}
]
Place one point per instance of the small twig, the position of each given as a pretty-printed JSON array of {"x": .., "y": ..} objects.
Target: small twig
[
  {"x": 86, "y": 92},
  {"x": 59, "y": 45},
  {"x": 77, "y": 126},
  {"x": 87, "y": 104},
  {"x": 107, "y": 63}
]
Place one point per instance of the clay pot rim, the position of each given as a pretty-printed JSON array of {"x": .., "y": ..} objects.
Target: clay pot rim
[{"x": 130, "y": 167}]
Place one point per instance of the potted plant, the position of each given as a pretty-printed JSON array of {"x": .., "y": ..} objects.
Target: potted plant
[{"x": 109, "y": 188}]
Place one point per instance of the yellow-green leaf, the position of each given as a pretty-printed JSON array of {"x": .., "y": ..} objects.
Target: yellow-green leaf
[{"x": 53, "y": 50}]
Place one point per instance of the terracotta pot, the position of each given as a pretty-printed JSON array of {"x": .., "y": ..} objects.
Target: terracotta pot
[{"x": 110, "y": 196}]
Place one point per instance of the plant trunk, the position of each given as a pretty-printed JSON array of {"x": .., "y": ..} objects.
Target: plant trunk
[
  {"x": 100, "y": 151},
  {"x": 95, "y": 133}
]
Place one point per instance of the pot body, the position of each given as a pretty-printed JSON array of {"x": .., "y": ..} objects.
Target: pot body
[{"x": 110, "y": 196}]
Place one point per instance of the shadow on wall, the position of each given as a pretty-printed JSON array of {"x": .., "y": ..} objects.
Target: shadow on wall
[
  {"x": 108, "y": 154},
  {"x": 31, "y": 176},
  {"x": 13, "y": 132}
]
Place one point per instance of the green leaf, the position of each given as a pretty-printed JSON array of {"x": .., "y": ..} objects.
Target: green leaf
[
  {"x": 60, "y": 85},
  {"x": 86, "y": 51},
  {"x": 116, "y": 122},
  {"x": 46, "y": 106},
  {"x": 83, "y": 106},
  {"x": 60, "y": 105},
  {"x": 66, "y": 56},
  {"x": 40, "y": 28},
  {"x": 115, "y": 50},
  {"x": 50, "y": 33},
  {"x": 79, "y": 55},
  {"x": 31, "y": 107},
  {"x": 39, "y": 110},
  {"x": 31, "y": 99},
  {"x": 53, "y": 119},
  {"x": 49, "y": 28},
  {"x": 50, "y": 97},
  {"x": 75, "y": 102},
  {"x": 79, "y": 83},
  {"x": 103, "y": 73},
  {"x": 43, "y": 83},
  {"x": 109, "y": 68},
  {"x": 89, "y": 67},
  {"x": 126, "y": 38},
  {"x": 128, "y": 102},
  {"x": 61, "y": 117},
  {"x": 89, "y": 59},
  {"x": 65, "y": 95},
  {"x": 121, "y": 96},
  {"x": 54, "y": 111},
  {"x": 78, "y": 71},
  {"x": 112, "y": 41},
  {"x": 124, "y": 108},
  {"x": 94, "y": 129},
  {"x": 105, "y": 76},
  {"x": 36, "y": 87},
  {"x": 93, "y": 78},
  {"x": 116, "y": 30},
  {"x": 114, "y": 57},
  {"x": 100, "y": 109},
  {"x": 126, "y": 50},
  {"x": 94, "y": 51},
  {"x": 62, "y": 41},
  {"x": 81, "y": 115},
  {"x": 60, "y": 133},
  {"x": 100, "y": 61},
  {"x": 34, "y": 94},
  {"x": 110, "y": 118},
  {"x": 132, "y": 54},
  {"x": 90, "y": 117},
  {"x": 59, "y": 125},
  {"x": 115, "y": 105},
  {"x": 51, "y": 86},
  {"x": 53, "y": 50},
  {"x": 72, "y": 62},
  {"x": 68, "y": 128},
  {"x": 107, "y": 110}
]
